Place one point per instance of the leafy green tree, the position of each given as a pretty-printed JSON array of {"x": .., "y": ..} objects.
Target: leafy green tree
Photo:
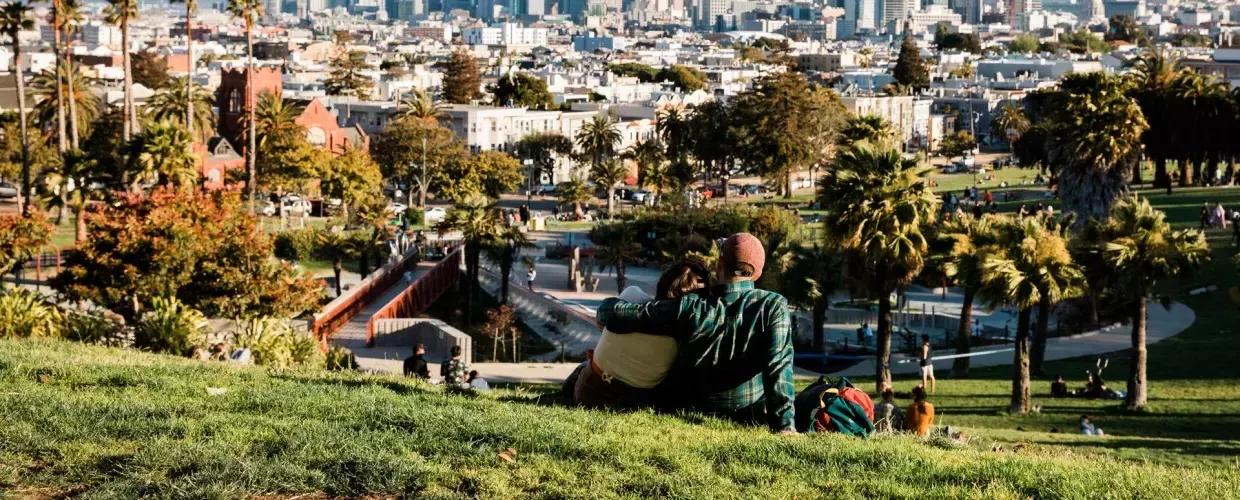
[
  {"x": 490, "y": 173},
  {"x": 956, "y": 144},
  {"x": 1125, "y": 28},
  {"x": 1139, "y": 248},
  {"x": 870, "y": 128},
  {"x": 785, "y": 126},
  {"x": 347, "y": 77},
  {"x": 476, "y": 219},
  {"x": 876, "y": 204},
  {"x": 683, "y": 77},
  {"x": 199, "y": 248},
  {"x": 1082, "y": 42},
  {"x": 337, "y": 246},
  {"x": 1031, "y": 268},
  {"x": 289, "y": 163},
  {"x": 910, "y": 70},
  {"x": 276, "y": 117},
  {"x": 814, "y": 273},
  {"x": 521, "y": 89},
  {"x": 609, "y": 175},
  {"x": 615, "y": 247},
  {"x": 673, "y": 128},
  {"x": 651, "y": 165},
  {"x": 543, "y": 148},
  {"x": 574, "y": 192},
  {"x": 72, "y": 185},
  {"x": 966, "y": 243},
  {"x": 1192, "y": 40},
  {"x": 643, "y": 72},
  {"x": 598, "y": 139},
  {"x": 248, "y": 12},
  {"x": 150, "y": 70},
  {"x": 462, "y": 82},
  {"x": 352, "y": 177},
  {"x": 170, "y": 102},
  {"x": 21, "y": 238},
  {"x": 1154, "y": 73},
  {"x": 166, "y": 158},
  {"x": 420, "y": 106},
  {"x": 1009, "y": 123},
  {"x": 1023, "y": 43},
  {"x": 400, "y": 151},
  {"x": 965, "y": 42},
  {"x": 716, "y": 135},
  {"x": 15, "y": 18}
]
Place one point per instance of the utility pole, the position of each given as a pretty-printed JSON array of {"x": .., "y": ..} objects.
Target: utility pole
[
  {"x": 529, "y": 192},
  {"x": 422, "y": 182}
]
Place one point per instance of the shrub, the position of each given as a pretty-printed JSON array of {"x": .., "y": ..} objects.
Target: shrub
[
  {"x": 274, "y": 342},
  {"x": 295, "y": 245},
  {"x": 305, "y": 351},
  {"x": 665, "y": 236},
  {"x": 93, "y": 328},
  {"x": 339, "y": 358},
  {"x": 170, "y": 327},
  {"x": 25, "y": 314}
]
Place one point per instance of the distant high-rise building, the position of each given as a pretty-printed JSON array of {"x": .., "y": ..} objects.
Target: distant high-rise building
[
  {"x": 896, "y": 9},
  {"x": 859, "y": 15},
  {"x": 1096, "y": 13},
  {"x": 710, "y": 10}
]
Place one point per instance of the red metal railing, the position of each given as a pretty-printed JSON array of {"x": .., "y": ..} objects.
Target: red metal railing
[
  {"x": 421, "y": 293},
  {"x": 338, "y": 312}
]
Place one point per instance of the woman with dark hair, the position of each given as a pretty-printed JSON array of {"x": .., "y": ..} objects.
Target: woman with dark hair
[{"x": 622, "y": 370}]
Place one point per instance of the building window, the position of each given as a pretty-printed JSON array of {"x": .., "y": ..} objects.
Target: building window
[
  {"x": 316, "y": 136},
  {"x": 234, "y": 101}
]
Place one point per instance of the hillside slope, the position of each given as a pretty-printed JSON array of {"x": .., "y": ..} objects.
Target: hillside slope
[{"x": 118, "y": 423}]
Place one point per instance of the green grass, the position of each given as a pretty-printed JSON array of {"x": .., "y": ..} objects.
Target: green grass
[
  {"x": 110, "y": 423},
  {"x": 957, "y": 182}
]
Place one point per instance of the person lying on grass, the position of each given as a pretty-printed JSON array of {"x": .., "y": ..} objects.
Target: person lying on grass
[
  {"x": 622, "y": 370},
  {"x": 734, "y": 341}
]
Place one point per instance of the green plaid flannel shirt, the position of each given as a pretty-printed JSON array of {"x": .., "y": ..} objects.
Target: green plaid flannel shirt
[{"x": 735, "y": 346}]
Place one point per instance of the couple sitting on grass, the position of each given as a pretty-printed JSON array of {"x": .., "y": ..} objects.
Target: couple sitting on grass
[{"x": 723, "y": 350}]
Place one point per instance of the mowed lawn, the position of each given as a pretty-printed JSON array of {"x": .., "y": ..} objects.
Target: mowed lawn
[{"x": 110, "y": 423}]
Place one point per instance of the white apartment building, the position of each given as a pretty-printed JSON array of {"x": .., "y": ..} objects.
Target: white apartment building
[
  {"x": 97, "y": 33},
  {"x": 897, "y": 110},
  {"x": 505, "y": 34}
]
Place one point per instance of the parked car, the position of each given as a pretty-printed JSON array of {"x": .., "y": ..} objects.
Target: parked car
[
  {"x": 293, "y": 205},
  {"x": 7, "y": 190},
  {"x": 642, "y": 197},
  {"x": 434, "y": 215},
  {"x": 395, "y": 208}
]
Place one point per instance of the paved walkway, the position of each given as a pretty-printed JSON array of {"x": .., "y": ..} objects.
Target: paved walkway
[{"x": 353, "y": 334}]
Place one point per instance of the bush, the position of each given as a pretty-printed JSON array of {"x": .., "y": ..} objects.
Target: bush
[
  {"x": 95, "y": 328},
  {"x": 416, "y": 216},
  {"x": 339, "y": 358},
  {"x": 25, "y": 314},
  {"x": 295, "y": 245},
  {"x": 665, "y": 236},
  {"x": 170, "y": 327},
  {"x": 274, "y": 342}
]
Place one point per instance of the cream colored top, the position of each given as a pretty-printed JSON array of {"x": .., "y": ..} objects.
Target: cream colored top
[{"x": 637, "y": 359}]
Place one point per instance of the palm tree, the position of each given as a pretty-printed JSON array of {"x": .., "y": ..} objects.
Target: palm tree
[
  {"x": 574, "y": 192},
  {"x": 651, "y": 165},
  {"x": 15, "y": 18},
  {"x": 876, "y": 204},
  {"x": 1139, "y": 248},
  {"x": 337, "y": 246},
  {"x": 167, "y": 157},
  {"x": 672, "y": 126},
  {"x": 275, "y": 117},
  {"x": 70, "y": 186},
  {"x": 504, "y": 250},
  {"x": 249, "y": 11},
  {"x": 61, "y": 144},
  {"x": 598, "y": 139},
  {"x": 120, "y": 13},
  {"x": 1030, "y": 267},
  {"x": 48, "y": 101},
  {"x": 871, "y": 128},
  {"x": 191, "y": 107},
  {"x": 615, "y": 247},
  {"x": 70, "y": 18},
  {"x": 168, "y": 104},
  {"x": 479, "y": 224},
  {"x": 609, "y": 174},
  {"x": 1154, "y": 72},
  {"x": 1010, "y": 123},
  {"x": 421, "y": 107},
  {"x": 1197, "y": 98},
  {"x": 815, "y": 272},
  {"x": 969, "y": 241}
]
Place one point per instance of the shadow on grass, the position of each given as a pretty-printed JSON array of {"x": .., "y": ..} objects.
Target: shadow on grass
[{"x": 402, "y": 388}]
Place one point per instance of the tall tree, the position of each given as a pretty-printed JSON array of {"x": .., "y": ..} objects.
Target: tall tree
[
  {"x": 70, "y": 16},
  {"x": 120, "y": 13},
  {"x": 910, "y": 70},
  {"x": 150, "y": 70},
  {"x": 521, "y": 89},
  {"x": 672, "y": 126},
  {"x": 15, "y": 18},
  {"x": 170, "y": 103},
  {"x": 352, "y": 177},
  {"x": 1010, "y": 123},
  {"x": 651, "y": 165},
  {"x": 615, "y": 248},
  {"x": 275, "y": 117},
  {"x": 813, "y": 274},
  {"x": 544, "y": 148},
  {"x": 1154, "y": 72},
  {"x": 574, "y": 192},
  {"x": 876, "y": 204},
  {"x": 1139, "y": 249},
  {"x": 62, "y": 142},
  {"x": 609, "y": 175},
  {"x": 479, "y": 224},
  {"x": 43, "y": 89},
  {"x": 346, "y": 76},
  {"x": 787, "y": 126},
  {"x": 191, "y": 110},
  {"x": 166, "y": 157},
  {"x": 598, "y": 139},
  {"x": 966, "y": 242},
  {"x": 412, "y": 150},
  {"x": 73, "y": 185},
  {"x": 420, "y": 106},
  {"x": 490, "y": 173},
  {"x": 1032, "y": 267},
  {"x": 870, "y": 128},
  {"x": 504, "y": 250},
  {"x": 462, "y": 82},
  {"x": 249, "y": 11}
]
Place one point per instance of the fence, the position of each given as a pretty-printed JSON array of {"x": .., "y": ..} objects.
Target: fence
[
  {"x": 421, "y": 293},
  {"x": 438, "y": 337},
  {"x": 339, "y": 311}
]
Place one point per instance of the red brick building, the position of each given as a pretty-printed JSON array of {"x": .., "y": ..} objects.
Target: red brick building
[
  {"x": 321, "y": 126},
  {"x": 215, "y": 160}
]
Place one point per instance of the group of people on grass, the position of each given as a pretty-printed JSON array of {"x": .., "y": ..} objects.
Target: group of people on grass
[
  {"x": 454, "y": 373},
  {"x": 220, "y": 352}
]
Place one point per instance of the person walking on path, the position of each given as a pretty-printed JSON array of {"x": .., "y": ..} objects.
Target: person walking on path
[
  {"x": 735, "y": 345},
  {"x": 927, "y": 367},
  {"x": 529, "y": 277}
]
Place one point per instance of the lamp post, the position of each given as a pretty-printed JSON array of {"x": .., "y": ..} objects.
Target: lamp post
[{"x": 529, "y": 192}]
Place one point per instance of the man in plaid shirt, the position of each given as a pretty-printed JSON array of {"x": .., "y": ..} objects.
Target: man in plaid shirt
[{"x": 735, "y": 357}]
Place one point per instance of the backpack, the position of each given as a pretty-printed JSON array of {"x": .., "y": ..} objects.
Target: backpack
[{"x": 844, "y": 409}]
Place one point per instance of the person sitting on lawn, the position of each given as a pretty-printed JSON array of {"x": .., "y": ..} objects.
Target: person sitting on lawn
[
  {"x": 1088, "y": 428},
  {"x": 1059, "y": 388},
  {"x": 621, "y": 370},
  {"x": 735, "y": 348},
  {"x": 477, "y": 383},
  {"x": 888, "y": 416},
  {"x": 415, "y": 366},
  {"x": 919, "y": 416},
  {"x": 454, "y": 370}
]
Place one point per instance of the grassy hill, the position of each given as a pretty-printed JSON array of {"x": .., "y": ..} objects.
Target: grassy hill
[{"x": 119, "y": 423}]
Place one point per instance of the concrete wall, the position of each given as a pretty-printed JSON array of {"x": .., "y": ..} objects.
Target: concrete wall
[{"x": 439, "y": 337}]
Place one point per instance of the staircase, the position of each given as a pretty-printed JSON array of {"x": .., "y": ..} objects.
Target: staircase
[{"x": 572, "y": 331}]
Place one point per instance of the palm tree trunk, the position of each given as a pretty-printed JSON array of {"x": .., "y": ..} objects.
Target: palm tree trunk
[
  {"x": 27, "y": 187},
  {"x": 189, "y": 79},
  {"x": 62, "y": 144},
  {"x": 882, "y": 373},
  {"x": 621, "y": 279},
  {"x": 788, "y": 186},
  {"x": 964, "y": 336},
  {"x": 505, "y": 269},
  {"x": 1160, "y": 173},
  {"x": 611, "y": 198},
  {"x": 130, "y": 115},
  {"x": 819, "y": 316},
  {"x": 471, "y": 283},
  {"x": 1037, "y": 356},
  {"x": 251, "y": 105},
  {"x": 1137, "y": 386},
  {"x": 69, "y": 74},
  {"x": 79, "y": 230},
  {"x": 515, "y": 350},
  {"x": 336, "y": 268},
  {"x": 1021, "y": 397}
]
